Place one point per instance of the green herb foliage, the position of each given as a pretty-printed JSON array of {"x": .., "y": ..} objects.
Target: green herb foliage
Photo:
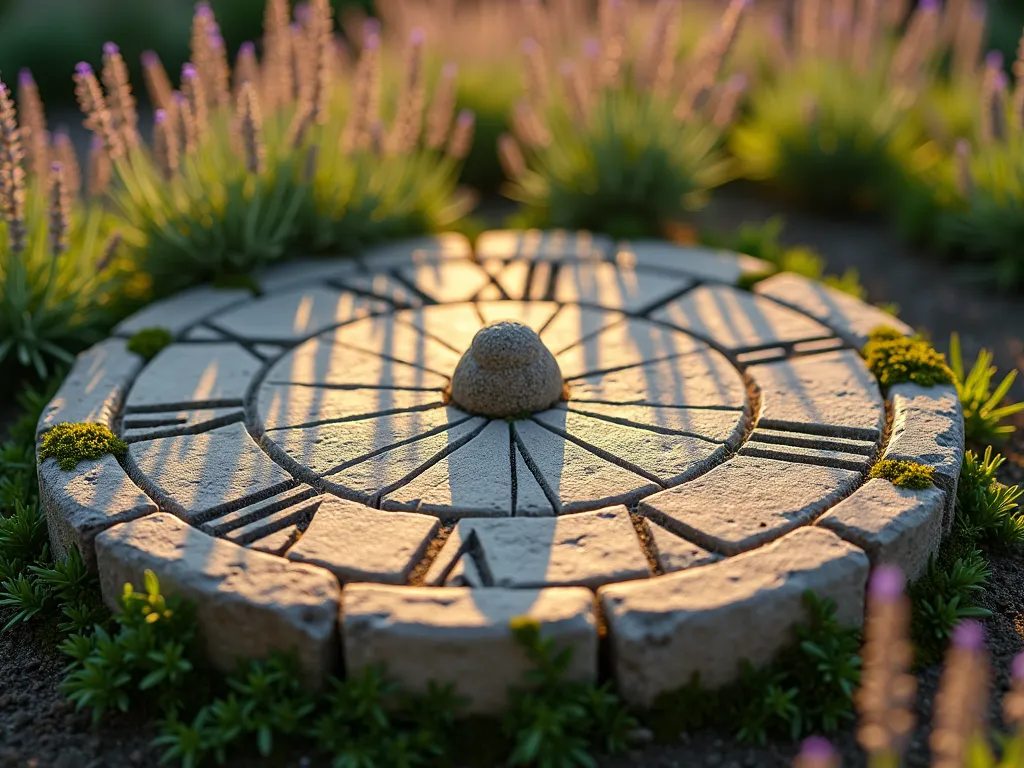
[
  {"x": 905, "y": 474},
  {"x": 984, "y": 411},
  {"x": 71, "y": 443},
  {"x": 988, "y": 508},
  {"x": 148, "y": 342},
  {"x": 894, "y": 359}
]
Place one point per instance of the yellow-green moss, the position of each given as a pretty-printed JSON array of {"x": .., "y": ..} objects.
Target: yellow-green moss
[
  {"x": 148, "y": 342},
  {"x": 905, "y": 474},
  {"x": 895, "y": 359},
  {"x": 71, "y": 443}
]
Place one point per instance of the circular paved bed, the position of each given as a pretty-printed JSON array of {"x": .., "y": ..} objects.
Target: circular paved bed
[{"x": 300, "y": 465}]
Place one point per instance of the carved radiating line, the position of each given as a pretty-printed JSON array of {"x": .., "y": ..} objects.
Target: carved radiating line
[
  {"x": 853, "y": 455},
  {"x": 360, "y": 416}
]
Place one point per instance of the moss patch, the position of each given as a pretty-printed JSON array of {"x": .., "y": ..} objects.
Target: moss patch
[
  {"x": 895, "y": 359},
  {"x": 71, "y": 443},
  {"x": 148, "y": 342},
  {"x": 905, "y": 474}
]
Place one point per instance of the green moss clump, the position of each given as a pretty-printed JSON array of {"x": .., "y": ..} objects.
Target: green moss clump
[
  {"x": 894, "y": 359},
  {"x": 71, "y": 443},
  {"x": 148, "y": 342},
  {"x": 904, "y": 474}
]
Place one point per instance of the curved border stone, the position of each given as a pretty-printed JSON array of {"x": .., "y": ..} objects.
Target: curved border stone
[
  {"x": 928, "y": 427},
  {"x": 665, "y": 630},
  {"x": 463, "y": 636},
  {"x": 848, "y": 316},
  {"x": 182, "y": 310},
  {"x": 248, "y": 604},
  {"x": 706, "y": 264}
]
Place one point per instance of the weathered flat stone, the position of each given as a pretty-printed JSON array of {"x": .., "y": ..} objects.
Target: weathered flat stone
[
  {"x": 928, "y": 427},
  {"x": 304, "y": 273},
  {"x": 283, "y": 407},
  {"x": 893, "y": 525},
  {"x": 628, "y": 342},
  {"x": 695, "y": 380},
  {"x": 720, "y": 426},
  {"x": 384, "y": 335},
  {"x": 379, "y": 475},
  {"x": 522, "y": 280},
  {"x": 670, "y": 459},
  {"x": 149, "y": 426},
  {"x": 275, "y": 528},
  {"x": 181, "y": 311},
  {"x": 474, "y": 480},
  {"x": 543, "y": 245},
  {"x": 300, "y": 498},
  {"x": 276, "y": 543},
  {"x": 585, "y": 550},
  {"x": 382, "y": 286},
  {"x": 452, "y": 324},
  {"x": 579, "y": 479},
  {"x": 705, "y": 264},
  {"x": 199, "y": 477},
  {"x": 574, "y": 323},
  {"x": 737, "y": 319},
  {"x": 848, "y": 316},
  {"x": 248, "y": 604},
  {"x": 462, "y": 636},
  {"x": 609, "y": 286},
  {"x": 95, "y": 387},
  {"x": 832, "y": 393},
  {"x": 448, "y": 282},
  {"x": 822, "y": 454},
  {"x": 326, "y": 447},
  {"x": 357, "y": 543},
  {"x": 204, "y": 333},
  {"x": 294, "y": 315},
  {"x": 530, "y": 498},
  {"x": 85, "y": 501},
  {"x": 186, "y": 376},
  {"x": 535, "y": 314},
  {"x": 418, "y": 250},
  {"x": 706, "y": 620},
  {"x": 748, "y": 501},
  {"x": 675, "y": 553},
  {"x": 781, "y": 437}
]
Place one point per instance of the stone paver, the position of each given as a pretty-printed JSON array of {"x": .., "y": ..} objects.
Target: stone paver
[
  {"x": 283, "y": 407},
  {"x": 849, "y": 317},
  {"x": 462, "y": 637},
  {"x": 95, "y": 388},
  {"x": 548, "y": 245},
  {"x": 625, "y": 343},
  {"x": 200, "y": 476},
  {"x": 257, "y": 516},
  {"x": 248, "y": 604},
  {"x": 388, "y": 337},
  {"x": 585, "y": 550},
  {"x": 303, "y": 273},
  {"x": 149, "y": 426},
  {"x": 294, "y": 315},
  {"x": 417, "y": 250},
  {"x": 183, "y": 310},
  {"x": 81, "y": 503},
  {"x": 531, "y": 500},
  {"x": 664, "y": 630},
  {"x": 928, "y": 427},
  {"x": 738, "y": 320},
  {"x": 831, "y": 394},
  {"x": 719, "y": 426},
  {"x": 705, "y": 264},
  {"x": 674, "y": 553},
  {"x": 447, "y": 282},
  {"x": 607, "y": 285},
  {"x": 185, "y": 376},
  {"x": 454, "y": 325},
  {"x": 359, "y": 544},
  {"x": 893, "y": 525},
  {"x": 748, "y": 501},
  {"x": 383, "y": 286}
]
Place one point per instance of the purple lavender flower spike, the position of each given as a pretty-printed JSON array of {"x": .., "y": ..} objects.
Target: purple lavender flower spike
[
  {"x": 928, "y": 6},
  {"x": 371, "y": 27},
  {"x": 179, "y": 98},
  {"x": 296, "y": 27},
  {"x": 466, "y": 118},
  {"x": 994, "y": 60},
  {"x": 530, "y": 45},
  {"x": 217, "y": 41},
  {"x": 591, "y": 48},
  {"x": 371, "y": 42},
  {"x": 817, "y": 748},
  {"x": 1002, "y": 82},
  {"x": 56, "y": 167},
  {"x": 969, "y": 636},
  {"x": 1017, "y": 668},
  {"x": 150, "y": 59},
  {"x": 188, "y": 71},
  {"x": 248, "y": 48},
  {"x": 417, "y": 36},
  {"x": 83, "y": 68},
  {"x": 25, "y": 78},
  {"x": 302, "y": 12},
  {"x": 110, "y": 49},
  {"x": 160, "y": 116},
  {"x": 886, "y": 583},
  {"x": 97, "y": 143},
  {"x": 204, "y": 10}
]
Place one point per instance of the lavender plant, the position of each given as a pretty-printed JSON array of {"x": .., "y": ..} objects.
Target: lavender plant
[
  {"x": 624, "y": 140},
  {"x": 250, "y": 164},
  {"x": 56, "y": 250}
]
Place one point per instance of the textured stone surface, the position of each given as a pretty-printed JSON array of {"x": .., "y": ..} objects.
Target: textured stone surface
[
  {"x": 383, "y": 286},
  {"x": 849, "y": 317},
  {"x": 928, "y": 427},
  {"x": 283, "y": 407},
  {"x": 674, "y": 553},
  {"x": 294, "y": 315},
  {"x": 200, "y": 476},
  {"x": 95, "y": 387},
  {"x": 418, "y": 250},
  {"x": 462, "y": 636},
  {"x": 474, "y": 480},
  {"x": 448, "y": 282},
  {"x": 356, "y": 543},
  {"x": 609, "y": 286},
  {"x": 507, "y": 371},
  {"x": 664, "y": 630},
  {"x": 536, "y": 314},
  {"x": 454, "y": 325},
  {"x": 625, "y": 343},
  {"x": 585, "y": 550},
  {"x": 577, "y": 478},
  {"x": 531, "y": 500},
  {"x": 194, "y": 375},
  {"x": 705, "y": 264},
  {"x": 748, "y": 501},
  {"x": 831, "y": 393},
  {"x": 391, "y": 337},
  {"x": 737, "y": 319},
  {"x": 303, "y": 273},
  {"x": 81, "y": 503},
  {"x": 149, "y": 426},
  {"x": 257, "y": 516},
  {"x": 248, "y": 604},
  {"x": 893, "y": 525},
  {"x": 181, "y": 311},
  {"x": 538, "y": 245}
]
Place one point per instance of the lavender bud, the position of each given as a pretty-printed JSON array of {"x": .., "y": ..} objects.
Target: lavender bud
[{"x": 886, "y": 583}]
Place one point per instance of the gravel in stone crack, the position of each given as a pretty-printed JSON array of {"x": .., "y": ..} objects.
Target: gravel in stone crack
[{"x": 507, "y": 371}]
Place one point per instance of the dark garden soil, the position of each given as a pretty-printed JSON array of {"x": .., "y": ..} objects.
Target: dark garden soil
[{"x": 38, "y": 728}]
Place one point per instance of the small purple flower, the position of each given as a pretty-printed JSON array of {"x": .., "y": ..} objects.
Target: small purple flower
[
  {"x": 110, "y": 49},
  {"x": 591, "y": 48},
  {"x": 302, "y": 13},
  {"x": 466, "y": 118},
  {"x": 886, "y": 583},
  {"x": 217, "y": 41},
  {"x": 928, "y": 5},
  {"x": 97, "y": 143},
  {"x": 371, "y": 42},
  {"x": 969, "y": 636},
  {"x": 179, "y": 98},
  {"x": 203, "y": 10},
  {"x": 994, "y": 60},
  {"x": 25, "y": 78},
  {"x": 1018, "y": 667},
  {"x": 296, "y": 28},
  {"x": 817, "y": 749},
  {"x": 248, "y": 48},
  {"x": 83, "y": 68},
  {"x": 160, "y": 116},
  {"x": 371, "y": 27},
  {"x": 1002, "y": 82},
  {"x": 530, "y": 46},
  {"x": 150, "y": 59},
  {"x": 417, "y": 36},
  {"x": 188, "y": 71}
]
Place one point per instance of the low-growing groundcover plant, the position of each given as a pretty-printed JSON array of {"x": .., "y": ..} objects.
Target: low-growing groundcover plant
[
  {"x": 896, "y": 359},
  {"x": 985, "y": 409},
  {"x": 904, "y": 474},
  {"x": 148, "y": 342},
  {"x": 623, "y": 140},
  {"x": 251, "y": 164},
  {"x": 56, "y": 250},
  {"x": 71, "y": 443}
]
